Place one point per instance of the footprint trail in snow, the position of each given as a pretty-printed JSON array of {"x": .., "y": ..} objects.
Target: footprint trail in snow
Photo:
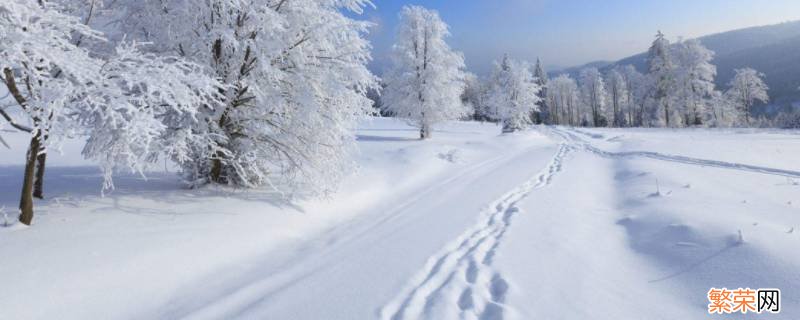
[{"x": 460, "y": 282}]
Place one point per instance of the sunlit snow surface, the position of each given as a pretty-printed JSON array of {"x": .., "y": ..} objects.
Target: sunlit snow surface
[{"x": 550, "y": 223}]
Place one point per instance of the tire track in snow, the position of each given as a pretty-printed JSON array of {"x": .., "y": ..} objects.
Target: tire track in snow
[
  {"x": 460, "y": 281},
  {"x": 675, "y": 158}
]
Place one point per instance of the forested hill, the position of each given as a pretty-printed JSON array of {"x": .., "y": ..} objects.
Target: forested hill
[{"x": 773, "y": 50}]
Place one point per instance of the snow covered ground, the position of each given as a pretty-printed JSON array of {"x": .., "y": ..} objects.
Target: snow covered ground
[{"x": 551, "y": 223}]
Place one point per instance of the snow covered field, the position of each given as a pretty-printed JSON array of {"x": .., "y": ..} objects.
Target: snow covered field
[{"x": 549, "y": 223}]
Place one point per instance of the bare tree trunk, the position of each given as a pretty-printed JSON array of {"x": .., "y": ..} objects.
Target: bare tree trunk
[
  {"x": 631, "y": 115},
  {"x": 424, "y": 132},
  {"x": 38, "y": 185},
  {"x": 424, "y": 128},
  {"x": 747, "y": 113},
  {"x": 216, "y": 171},
  {"x": 26, "y": 198},
  {"x": 641, "y": 114},
  {"x": 615, "y": 102}
]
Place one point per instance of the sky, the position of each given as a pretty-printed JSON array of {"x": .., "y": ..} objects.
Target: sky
[{"x": 566, "y": 33}]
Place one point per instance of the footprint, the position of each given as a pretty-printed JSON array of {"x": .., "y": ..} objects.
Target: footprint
[
  {"x": 509, "y": 213},
  {"x": 498, "y": 288},
  {"x": 487, "y": 260},
  {"x": 465, "y": 301},
  {"x": 472, "y": 272},
  {"x": 459, "y": 269},
  {"x": 493, "y": 311}
]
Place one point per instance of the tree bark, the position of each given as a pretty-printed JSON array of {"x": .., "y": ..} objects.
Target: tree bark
[
  {"x": 38, "y": 185},
  {"x": 747, "y": 113},
  {"x": 26, "y": 198},
  {"x": 216, "y": 170},
  {"x": 424, "y": 132}
]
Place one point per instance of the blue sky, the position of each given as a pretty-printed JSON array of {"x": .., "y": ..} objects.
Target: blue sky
[{"x": 573, "y": 32}]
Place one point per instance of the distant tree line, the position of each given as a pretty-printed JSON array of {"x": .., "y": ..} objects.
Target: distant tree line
[{"x": 678, "y": 90}]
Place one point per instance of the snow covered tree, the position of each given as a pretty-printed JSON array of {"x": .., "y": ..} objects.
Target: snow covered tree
[
  {"x": 562, "y": 96},
  {"x": 540, "y": 77},
  {"x": 36, "y": 45},
  {"x": 787, "y": 119},
  {"x": 142, "y": 108},
  {"x": 513, "y": 93},
  {"x": 638, "y": 94},
  {"x": 618, "y": 98},
  {"x": 747, "y": 88},
  {"x": 594, "y": 96},
  {"x": 427, "y": 78},
  {"x": 723, "y": 112},
  {"x": 295, "y": 84},
  {"x": 694, "y": 80},
  {"x": 473, "y": 96},
  {"x": 64, "y": 90},
  {"x": 660, "y": 71},
  {"x": 72, "y": 8}
]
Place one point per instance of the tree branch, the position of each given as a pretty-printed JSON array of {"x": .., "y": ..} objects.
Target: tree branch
[
  {"x": 280, "y": 4},
  {"x": 14, "y": 124},
  {"x": 11, "y": 84}
]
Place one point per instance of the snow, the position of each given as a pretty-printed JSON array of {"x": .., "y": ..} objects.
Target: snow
[
  {"x": 513, "y": 93},
  {"x": 649, "y": 237},
  {"x": 426, "y": 79},
  {"x": 550, "y": 222}
]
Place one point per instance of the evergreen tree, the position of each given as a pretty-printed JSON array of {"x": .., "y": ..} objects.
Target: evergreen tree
[
  {"x": 540, "y": 77},
  {"x": 660, "y": 69},
  {"x": 513, "y": 93}
]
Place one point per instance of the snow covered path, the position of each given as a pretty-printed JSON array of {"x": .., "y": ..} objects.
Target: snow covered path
[
  {"x": 464, "y": 268},
  {"x": 551, "y": 223},
  {"x": 571, "y": 259},
  {"x": 348, "y": 265}
]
